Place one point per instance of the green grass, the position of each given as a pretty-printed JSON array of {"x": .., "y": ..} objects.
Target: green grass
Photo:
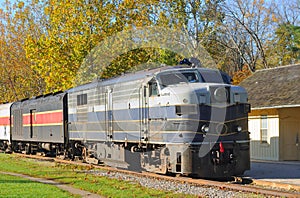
[
  {"x": 12, "y": 186},
  {"x": 75, "y": 176}
]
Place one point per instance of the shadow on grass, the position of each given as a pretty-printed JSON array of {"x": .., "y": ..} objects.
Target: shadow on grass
[
  {"x": 32, "y": 179},
  {"x": 15, "y": 181}
]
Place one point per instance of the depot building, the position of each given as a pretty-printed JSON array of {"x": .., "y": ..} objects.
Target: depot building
[{"x": 274, "y": 120}]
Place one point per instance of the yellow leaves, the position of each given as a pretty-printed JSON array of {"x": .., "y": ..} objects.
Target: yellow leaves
[
  {"x": 55, "y": 44},
  {"x": 129, "y": 3},
  {"x": 74, "y": 28},
  {"x": 18, "y": 80},
  {"x": 47, "y": 10},
  {"x": 239, "y": 76},
  {"x": 274, "y": 18},
  {"x": 20, "y": 4}
]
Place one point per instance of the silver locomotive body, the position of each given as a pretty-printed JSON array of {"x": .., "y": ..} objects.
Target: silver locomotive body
[{"x": 187, "y": 121}]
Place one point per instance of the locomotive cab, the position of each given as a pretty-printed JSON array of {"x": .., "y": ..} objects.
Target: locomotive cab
[{"x": 202, "y": 120}]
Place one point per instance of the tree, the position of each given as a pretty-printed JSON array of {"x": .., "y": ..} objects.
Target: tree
[
  {"x": 283, "y": 47},
  {"x": 45, "y": 42},
  {"x": 246, "y": 28},
  {"x": 241, "y": 75},
  {"x": 69, "y": 30},
  {"x": 73, "y": 28},
  {"x": 17, "y": 79},
  {"x": 202, "y": 20}
]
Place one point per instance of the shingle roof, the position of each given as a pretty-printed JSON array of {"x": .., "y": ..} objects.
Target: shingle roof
[{"x": 274, "y": 87}]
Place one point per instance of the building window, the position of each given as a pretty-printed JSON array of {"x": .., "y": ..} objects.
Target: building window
[
  {"x": 81, "y": 99},
  {"x": 264, "y": 129}
]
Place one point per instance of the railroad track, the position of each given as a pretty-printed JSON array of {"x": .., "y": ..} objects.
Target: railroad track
[{"x": 239, "y": 185}]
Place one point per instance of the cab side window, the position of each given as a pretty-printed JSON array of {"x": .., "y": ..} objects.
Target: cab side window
[{"x": 153, "y": 89}]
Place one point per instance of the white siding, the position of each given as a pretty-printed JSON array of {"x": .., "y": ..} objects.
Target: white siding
[
  {"x": 264, "y": 151},
  {"x": 254, "y": 128}
]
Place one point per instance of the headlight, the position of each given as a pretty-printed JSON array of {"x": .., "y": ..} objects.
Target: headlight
[
  {"x": 205, "y": 129},
  {"x": 239, "y": 128},
  {"x": 221, "y": 94}
]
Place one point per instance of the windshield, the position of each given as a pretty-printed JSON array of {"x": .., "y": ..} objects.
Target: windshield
[
  {"x": 192, "y": 76},
  {"x": 214, "y": 76},
  {"x": 172, "y": 78}
]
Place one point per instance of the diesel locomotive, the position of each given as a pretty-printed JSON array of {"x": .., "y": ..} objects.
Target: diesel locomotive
[{"x": 179, "y": 120}]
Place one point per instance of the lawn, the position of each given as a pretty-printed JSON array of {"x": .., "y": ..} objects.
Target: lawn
[
  {"x": 12, "y": 186},
  {"x": 71, "y": 175}
]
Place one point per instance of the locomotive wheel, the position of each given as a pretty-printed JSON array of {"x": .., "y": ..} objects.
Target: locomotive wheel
[{"x": 27, "y": 149}]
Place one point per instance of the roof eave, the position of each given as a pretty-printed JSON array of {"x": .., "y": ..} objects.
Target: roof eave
[{"x": 275, "y": 107}]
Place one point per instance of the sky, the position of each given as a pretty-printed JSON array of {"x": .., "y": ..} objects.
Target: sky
[{"x": 2, "y": 2}]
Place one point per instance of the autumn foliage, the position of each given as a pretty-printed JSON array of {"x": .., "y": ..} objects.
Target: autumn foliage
[
  {"x": 239, "y": 76},
  {"x": 44, "y": 42}
]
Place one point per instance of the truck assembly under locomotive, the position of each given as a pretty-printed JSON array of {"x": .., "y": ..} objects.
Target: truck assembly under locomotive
[{"x": 179, "y": 120}]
